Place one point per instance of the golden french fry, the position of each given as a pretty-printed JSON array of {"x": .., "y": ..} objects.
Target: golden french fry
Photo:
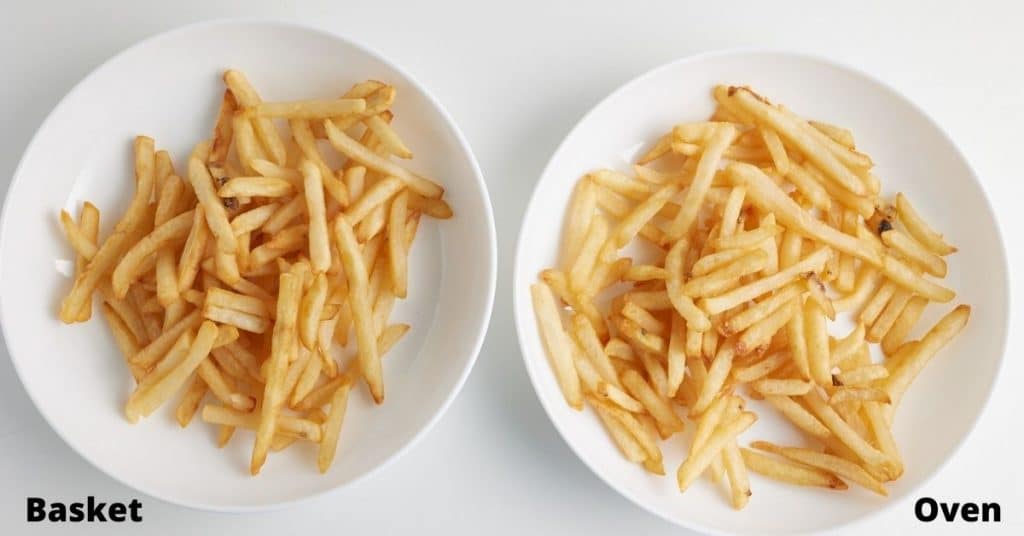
[
  {"x": 332, "y": 428},
  {"x": 833, "y": 464},
  {"x": 789, "y": 472},
  {"x": 846, "y": 434},
  {"x": 920, "y": 229},
  {"x": 798, "y": 415},
  {"x": 706, "y": 167},
  {"x": 109, "y": 254},
  {"x": 860, "y": 394},
  {"x": 362, "y": 316},
  {"x": 629, "y": 446},
  {"x": 736, "y": 469},
  {"x": 911, "y": 364},
  {"x": 557, "y": 343},
  {"x": 768, "y": 196},
  {"x": 860, "y": 376},
  {"x": 818, "y": 350},
  {"x": 784, "y": 387},
  {"x": 310, "y": 109},
  {"x": 697, "y": 461},
  {"x": 760, "y": 333},
  {"x": 915, "y": 252},
  {"x": 718, "y": 372},
  {"x": 256, "y": 187},
  {"x": 190, "y": 402},
  {"x": 148, "y": 397},
  {"x": 354, "y": 150},
  {"x": 659, "y": 407},
  {"x": 285, "y": 424},
  {"x": 583, "y": 265},
  {"x": 747, "y": 292},
  {"x": 247, "y": 97},
  {"x": 580, "y": 213},
  {"x": 289, "y": 294},
  {"x": 803, "y": 139},
  {"x": 683, "y": 304},
  {"x": 213, "y": 209},
  {"x": 310, "y": 310},
  {"x": 725, "y": 277},
  {"x": 901, "y": 327}
]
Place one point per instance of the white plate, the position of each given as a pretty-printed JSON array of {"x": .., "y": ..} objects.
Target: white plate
[
  {"x": 912, "y": 154},
  {"x": 169, "y": 87}
]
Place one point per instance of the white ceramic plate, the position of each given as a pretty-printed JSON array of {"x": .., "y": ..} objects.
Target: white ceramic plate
[
  {"x": 912, "y": 154},
  {"x": 169, "y": 87}
]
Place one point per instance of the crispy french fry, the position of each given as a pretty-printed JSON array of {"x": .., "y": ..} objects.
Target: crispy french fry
[
  {"x": 919, "y": 229},
  {"x": 289, "y": 295},
  {"x": 833, "y": 464},
  {"x": 911, "y": 364},
  {"x": 789, "y": 472},
  {"x": 332, "y": 428},
  {"x": 706, "y": 167},
  {"x": 354, "y": 150},
  {"x": 697, "y": 461},
  {"x": 109, "y": 254}
]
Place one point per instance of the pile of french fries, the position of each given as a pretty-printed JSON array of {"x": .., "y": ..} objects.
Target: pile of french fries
[
  {"x": 238, "y": 280},
  {"x": 751, "y": 232}
]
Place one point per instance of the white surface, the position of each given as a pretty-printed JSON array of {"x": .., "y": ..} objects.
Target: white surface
[
  {"x": 84, "y": 153},
  {"x": 516, "y": 77},
  {"x": 896, "y": 135}
]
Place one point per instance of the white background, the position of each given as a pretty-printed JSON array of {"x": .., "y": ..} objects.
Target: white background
[{"x": 516, "y": 77}]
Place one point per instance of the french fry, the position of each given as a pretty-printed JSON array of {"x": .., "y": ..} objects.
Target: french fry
[
  {"x": 695, "y": 318},
  {"x": 147, "y": 398},
  {"x": 697, "y": 461},
  {"x": 588, "y": 341},
  {"x": 213, "y": 209},
  {"x": 947, "y": 328},
  {"x": 285, "y": 424},
  {"x": 919, "y": 229},
  {"x": 109, "y": 254},
  {"x": 352, "y": 149},
  {"x": 629, "y": 446},
  {"x": 789, "y": 472},
  {"x": 768, "y": 196},
  {"x": 905, "y": 276},
  {"x": 730, "y": 299},
  {"x": 718, "y": 372},
  {"x": 659, "y": 408},
  {"x": 816, "y": 335},
  {"x": 809, "y": 145},
  {"x": 583, "y": 265},
  {"x": 190, "y": 402},
  {"x": 833, "y": 464},
  {"x": 798, "y": 415},
  {"x": 883, "y": 323},
  {"x": 783, "y": 387},
  {"x": 247, "y": 97},
  {"x": 289, "y": 294},
  {"x": 760, "y": 334},
  {"x": 846, "y": 434},
  {"x": 358, "y": 297},
  {"x": 915, "y": 252},
  {"x": 706, "y": 167},
  {"x": 332, "y": 428},
  {"x": 901, "y": 327},
  {"x": 128, "y": 269},
  {"x": 860, "y": 376}
]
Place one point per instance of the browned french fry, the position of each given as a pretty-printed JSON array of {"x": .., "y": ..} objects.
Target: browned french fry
[
  {"x": 358, "y": 298},
  {"x": 789, "y": 472}
]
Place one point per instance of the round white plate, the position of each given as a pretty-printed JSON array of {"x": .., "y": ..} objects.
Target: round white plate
[
  {"x": 169, "y": 87},
  {"x": 912, "y": 155}
]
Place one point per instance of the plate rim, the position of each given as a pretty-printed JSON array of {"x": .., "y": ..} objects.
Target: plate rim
[
  {"x": 803, "y": 56},
  {"x": 485, "y": 200}
]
